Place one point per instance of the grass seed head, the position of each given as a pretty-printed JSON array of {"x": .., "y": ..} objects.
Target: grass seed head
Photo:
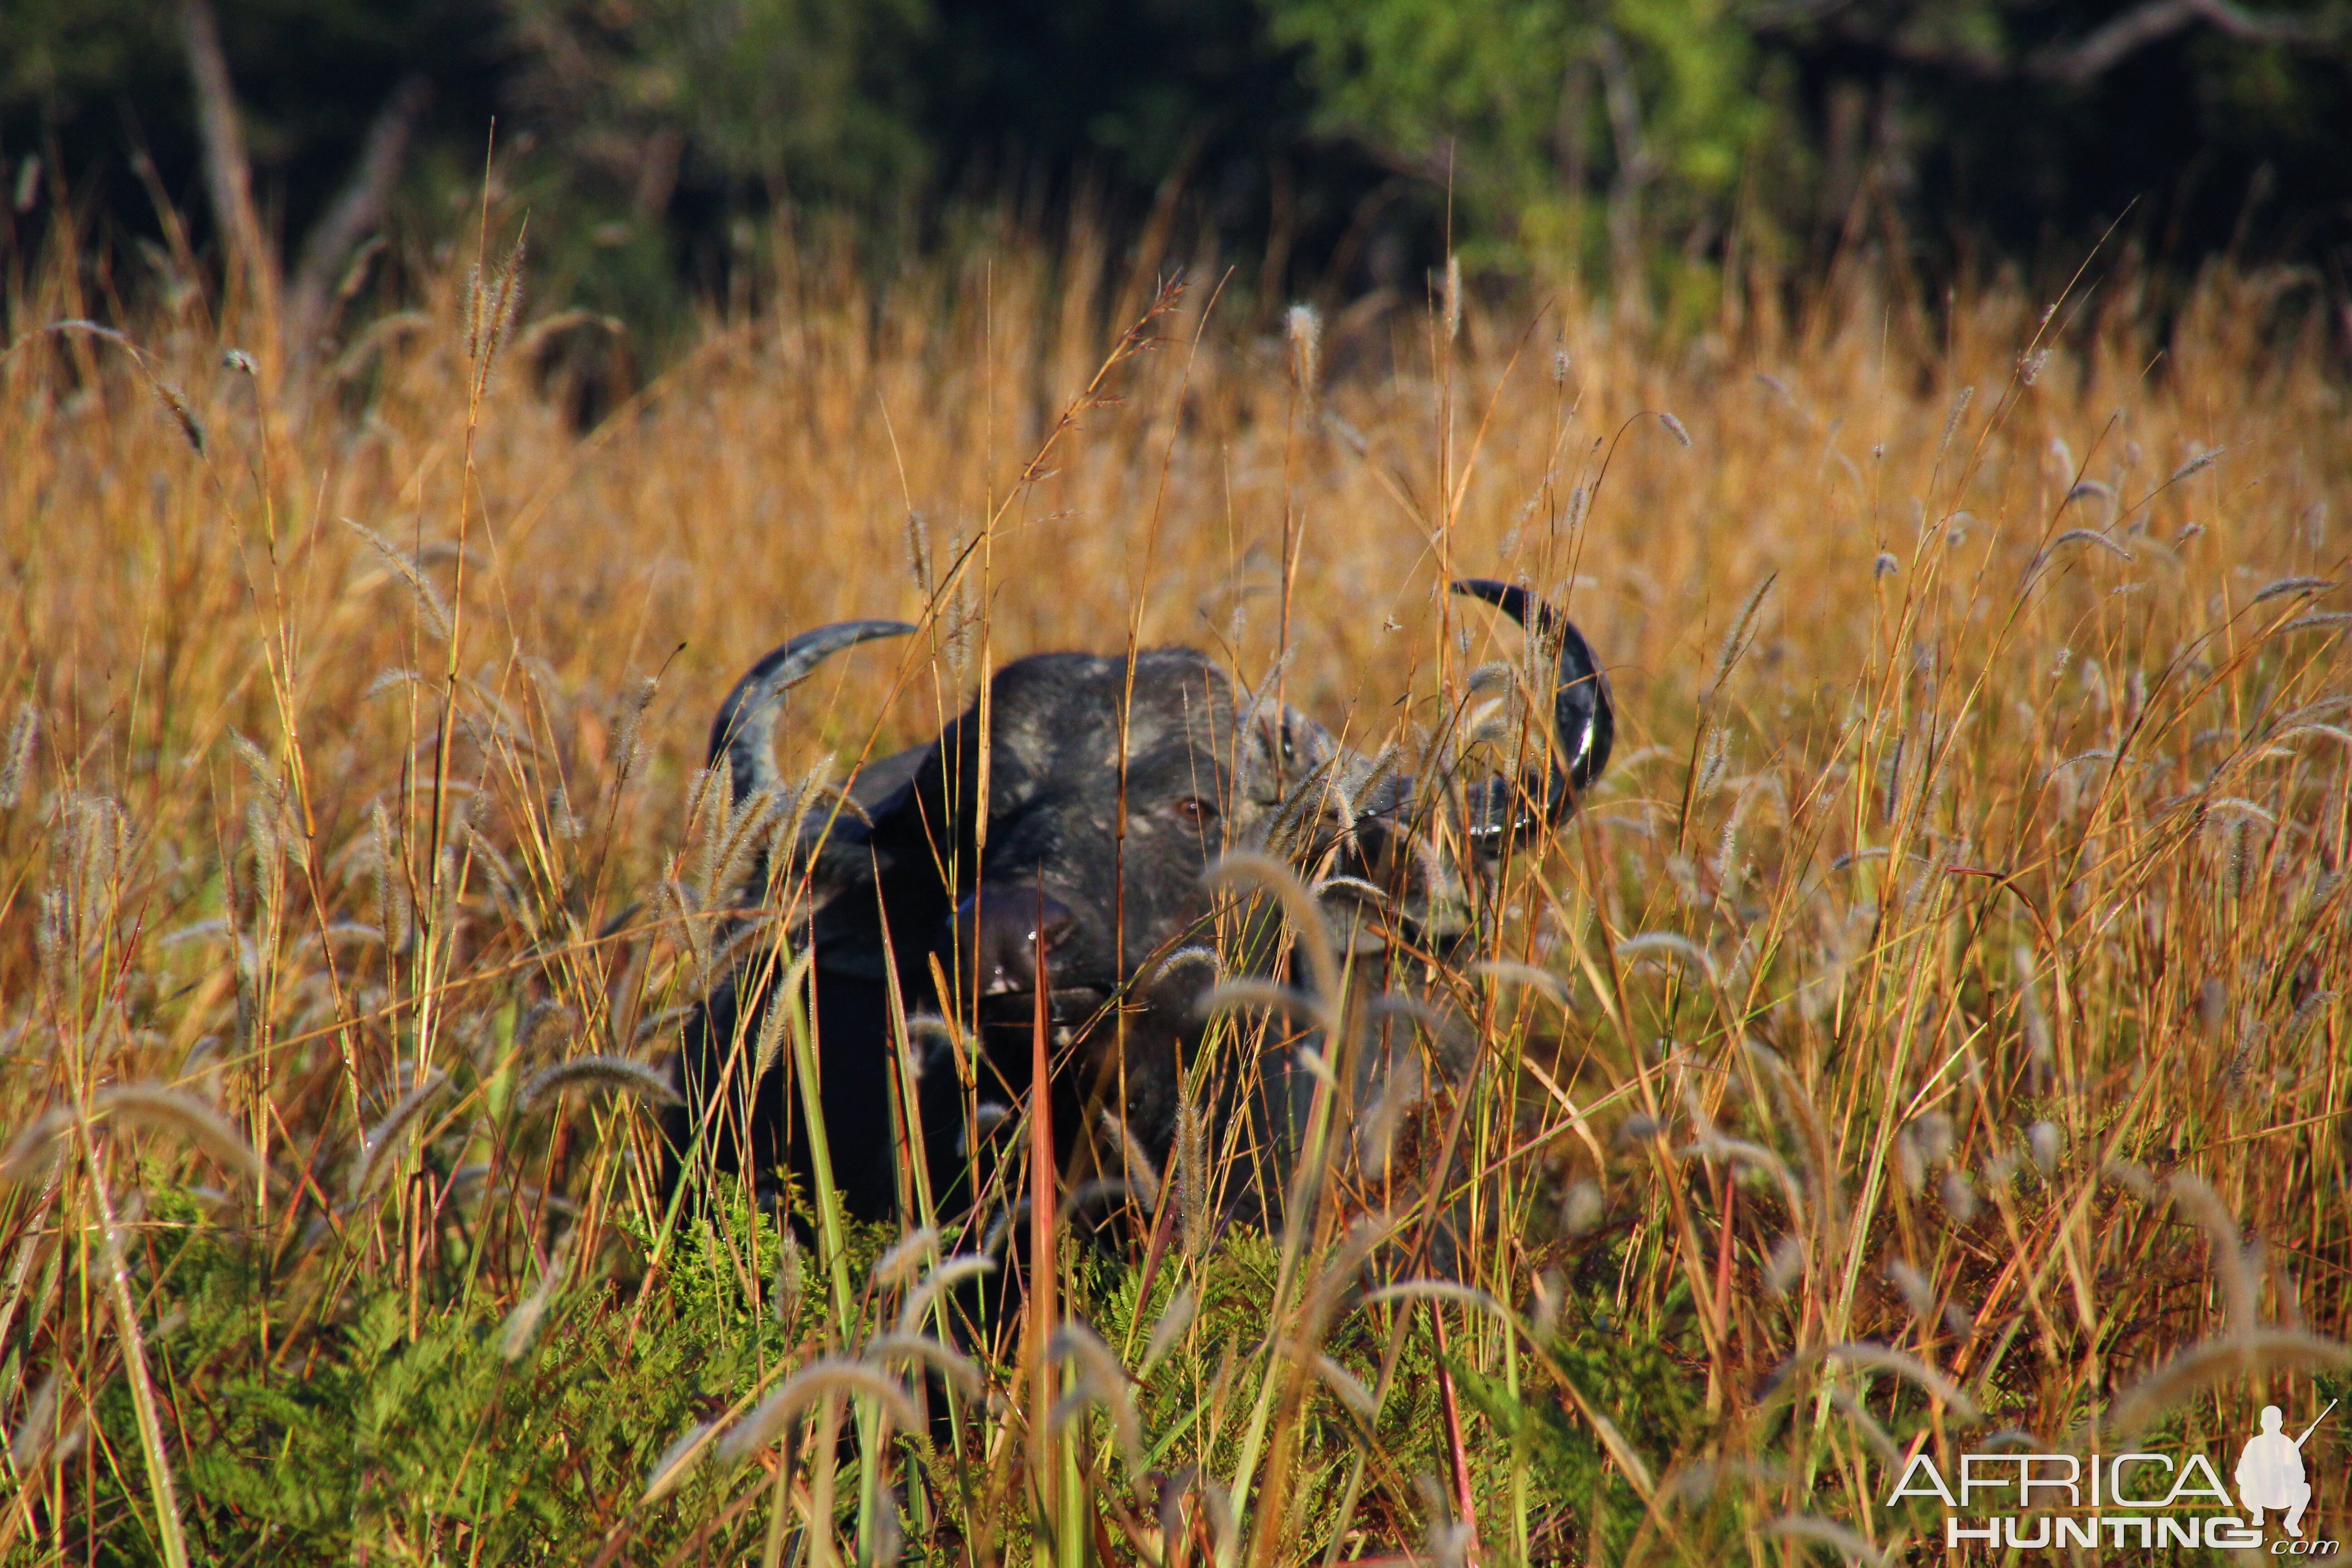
[
  {"x": 618, "y": 1074},
  {"x": 520, "y": 1329},
  {"x": 1141, "y": 1173},
  {"x": 1910, "y": 1165},
  {"x": 376, "y": 1148},
  {"x": 432, "y": 610},
  {"x": 175, "y": 1110},
  {"x": 627, "y": 737},
  {"x": 1934, "y": 1133},
  {"x": 1192, "y": 1176},
  {"x": 1175, "y": 1319},
  {"x": 2212, "y": 1009},
  {"x": 905, "y": 1257},
  {"x": 950, "y": 1272},
  {"x": 1914, "y": 1287},
  {"x": 1304, "y": 326},
  {"x": 2291, "y": 587},
  {"x": 2091, "y": 537},
  {"x": 1959, "y": 1196},
  {"x": 2046, "y": 1142},
  {"x": 32, "y": 1157},
  {"x": 1583, "y": 1209},
  {"x": 900, "y": 1347},
  {"x": 2332, "y": 622},
  {"x": 176, "y": 402},
  {"x": 767, "y": 1049},
  {"x": 1741, "y": 635},
  {"x": 1098, "y": 1379},
  {"x": 2244, "y": 1353},
  {"x": 678, "y": 1461},
  {"x": 785, "y": 1291},
  {"x": 1543, "y": 1319},
  {"x": 2196, "y": 464},
  {"x": 826, "y": 1378},
  {"x": 38, "y": 1429},
  {"x": 1446, "y": 1542},
  {"x": 16, "y": 759},
  {"x": 918, "y": 553},
  {"x": 1952, "y": 420}
]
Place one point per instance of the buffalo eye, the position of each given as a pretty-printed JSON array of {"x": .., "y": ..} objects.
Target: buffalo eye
[{"x": 1195, "y": 812}]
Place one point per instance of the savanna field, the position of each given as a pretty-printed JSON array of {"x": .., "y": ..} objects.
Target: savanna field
[{"x": 1930, "y": 1037}]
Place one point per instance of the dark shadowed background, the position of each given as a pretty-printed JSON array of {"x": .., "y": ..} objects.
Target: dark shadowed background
[{"x": 1320, "y": 148}]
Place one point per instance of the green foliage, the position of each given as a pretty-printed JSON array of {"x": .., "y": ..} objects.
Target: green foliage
[
  {"x": 805, "y": 96},
  {"x": 1636, "y": 128},
  {"x": 1195, "y": 1402},
  {"x": 1511, "y": 102},
  {"x": 1630, "y": 1373},
  {"x": 379, "y": 1420},
  {"x": 753, "y": 103},
  {"x": 46, "y": 51}
]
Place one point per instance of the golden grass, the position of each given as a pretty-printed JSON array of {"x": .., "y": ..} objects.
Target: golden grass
[{"x": 1954, "y": 952}]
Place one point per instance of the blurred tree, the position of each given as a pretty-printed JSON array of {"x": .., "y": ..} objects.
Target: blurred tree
[
  {"x": 2000, "y": 128},
  {"x": 1189, "y": 108},
  {"x": 1638, "y": 142},
  {"x": 1528, "y": 109},
  {"x": 100, "y": 96},
  {"x": 1629, "y": 129},
  {"x": 636, "y": 113}
]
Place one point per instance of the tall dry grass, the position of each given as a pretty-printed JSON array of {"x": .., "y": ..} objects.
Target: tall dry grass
[{"x": 1939, "y": 1030}]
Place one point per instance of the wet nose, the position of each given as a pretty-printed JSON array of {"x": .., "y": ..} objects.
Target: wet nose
[{"x": 999, "y": 930}]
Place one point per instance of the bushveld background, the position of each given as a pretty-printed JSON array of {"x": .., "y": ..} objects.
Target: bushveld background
[
  {"x": 1930, "y": 1035},
  {"x": 1334, "y": 147}
]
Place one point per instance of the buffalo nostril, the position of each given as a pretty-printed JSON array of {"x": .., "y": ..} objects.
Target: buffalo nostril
[
  {"x": 1052, "y": 921},
  {"x": 999, "y": 930}
]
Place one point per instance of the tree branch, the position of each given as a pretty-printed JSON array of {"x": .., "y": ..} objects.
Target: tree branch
[
  {"x": 2075, "y": 64},
  {"x": 228, "y": 174},
  {"x": 2078, "y": 64},
  {"x": 355, "y": 212}
]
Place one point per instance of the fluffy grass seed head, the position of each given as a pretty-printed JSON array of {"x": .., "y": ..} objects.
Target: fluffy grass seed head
[
  {"x": 620, "y": 1075},
  {"x": 380, "y": 1141},
  {"x": 1097, "y": 1379},
  {"x": 17, "y": 758},
  {"x": 828, "y": 1377},
  {"x": 1303, "y": 325}
]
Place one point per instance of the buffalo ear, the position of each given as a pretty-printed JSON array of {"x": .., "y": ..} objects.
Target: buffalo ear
[
  {"x": 1305, "y": 744},
  {"x": 1427, "y": 895},
  {"x": 875, "y": 865},
  {"x": 857, "y": 847},
  {"x": 1584, "y": 722}
]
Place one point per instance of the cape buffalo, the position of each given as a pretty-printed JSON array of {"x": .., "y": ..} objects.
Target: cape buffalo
[{"x": 1055, "y": 898}]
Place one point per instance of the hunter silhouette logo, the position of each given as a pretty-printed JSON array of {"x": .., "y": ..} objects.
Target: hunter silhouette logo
[
  {"x": 2270, "y": 1471},
  {"x": 2153, "y": 1500}
]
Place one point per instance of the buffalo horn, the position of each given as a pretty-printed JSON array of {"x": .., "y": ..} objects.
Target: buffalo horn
[
  {"x": 1584, "y": 722},
  {"x": 745, "y": 731}
]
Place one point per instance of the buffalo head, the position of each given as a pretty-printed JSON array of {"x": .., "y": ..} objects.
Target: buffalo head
[{"x": 1038, "y": 863}]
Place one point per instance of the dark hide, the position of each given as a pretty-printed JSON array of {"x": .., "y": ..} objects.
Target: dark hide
[{"x": 1109, "y": 793}]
